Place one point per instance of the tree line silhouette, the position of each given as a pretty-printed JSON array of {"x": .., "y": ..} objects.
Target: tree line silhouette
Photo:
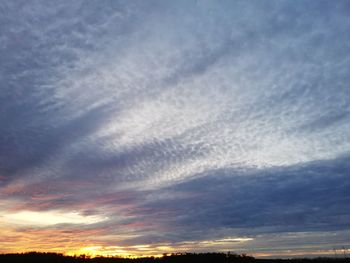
[{"x": 36, "y": 257}]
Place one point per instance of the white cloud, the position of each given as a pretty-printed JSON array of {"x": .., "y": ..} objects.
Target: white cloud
[{"x": 46, "y": 218}]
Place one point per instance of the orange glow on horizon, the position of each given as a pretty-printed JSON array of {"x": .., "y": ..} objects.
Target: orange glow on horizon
[{"x": 91, "y": 242}]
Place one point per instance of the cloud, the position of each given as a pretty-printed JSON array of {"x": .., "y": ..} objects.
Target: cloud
[
  {"x": 310, "y": 197},
  {"x": 48, "y": 218},
  {"x": 170, "y": 118}
]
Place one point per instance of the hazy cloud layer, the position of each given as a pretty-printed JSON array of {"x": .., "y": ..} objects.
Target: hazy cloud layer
[{"x": 176, "y": 121}]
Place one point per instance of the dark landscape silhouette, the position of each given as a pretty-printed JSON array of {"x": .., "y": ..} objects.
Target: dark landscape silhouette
[{"x": 36, "y": 257}]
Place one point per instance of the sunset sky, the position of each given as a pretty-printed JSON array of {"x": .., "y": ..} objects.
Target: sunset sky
[{"x": 144, "y": 127}]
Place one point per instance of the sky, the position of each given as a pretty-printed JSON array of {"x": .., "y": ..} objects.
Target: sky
[{"x": 146, "y": 127}]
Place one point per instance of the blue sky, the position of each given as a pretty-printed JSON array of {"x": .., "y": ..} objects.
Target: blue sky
[{"x": 143, "y": 127}]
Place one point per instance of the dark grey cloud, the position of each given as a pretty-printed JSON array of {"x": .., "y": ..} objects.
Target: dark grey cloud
[{"x": 301, "y": 198}]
